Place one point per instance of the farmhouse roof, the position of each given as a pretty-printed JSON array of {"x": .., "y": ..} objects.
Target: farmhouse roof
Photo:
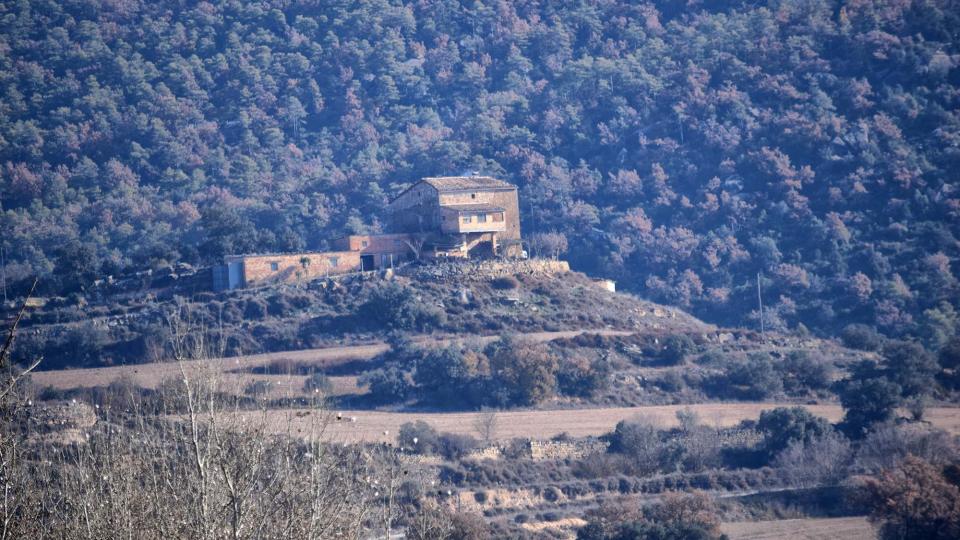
[{"x": 462, "y": 183}]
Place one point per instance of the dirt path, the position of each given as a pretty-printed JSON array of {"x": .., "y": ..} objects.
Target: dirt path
[
  {"x": 151, "y": 375},
  {"x": 847, "y": 528},
  {"x": 383, "y": 426}
]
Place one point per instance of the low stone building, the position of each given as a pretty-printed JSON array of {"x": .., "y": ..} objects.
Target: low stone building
[{"x": 358, "y": 253}]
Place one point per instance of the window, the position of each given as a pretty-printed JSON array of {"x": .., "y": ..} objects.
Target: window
[
  {"x": 473, "y": 195},
  {"x": 481, "y": 218},
  {"x": 334, "y": 261},
  {"x": 468, "y": 219},
  {"x": 498, "y": 216},
  {"x": 364, "y": 243},
  {"x": 274, "y": 266}
]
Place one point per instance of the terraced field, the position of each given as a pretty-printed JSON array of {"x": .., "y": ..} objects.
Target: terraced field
[
  {"x": 542, "y": 424},
  {"x": 847, "y": 528}
]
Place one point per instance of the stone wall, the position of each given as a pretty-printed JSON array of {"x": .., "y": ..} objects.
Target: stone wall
[
  {"x": 376, "y": 244},
  {"x": 577, "y": 449},
  {"x": 484, "y": 270},
  {"x": 542, "y": 450},
  {"x": 259, "y": 269}
]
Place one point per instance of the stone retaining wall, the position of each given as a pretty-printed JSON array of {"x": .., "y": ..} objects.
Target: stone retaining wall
[
  {"x": 484, "y": 270},
  {"x": 566, "y": 449}
]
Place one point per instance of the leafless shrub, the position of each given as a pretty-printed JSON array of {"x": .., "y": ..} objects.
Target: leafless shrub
[
  {"x": 821, "y": 460},
  {"x": 204, "y": 468},
  {"x": 888, "y": 445},
  {"x": 486, "y": 425}
]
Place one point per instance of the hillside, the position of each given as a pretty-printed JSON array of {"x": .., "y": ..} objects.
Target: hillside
[
  {"x": 453, "y": 299},
  {"x": 430, "y": 336},
  {"x": 681, "y": 147}
]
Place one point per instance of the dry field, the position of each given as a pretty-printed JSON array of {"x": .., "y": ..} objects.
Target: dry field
[
  {"x": 847, "y": 528},
  {"x": 369, "y": 426},
  {"x": 152, "y": 374}
]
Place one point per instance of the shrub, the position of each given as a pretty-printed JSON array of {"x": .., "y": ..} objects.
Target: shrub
[
  {"x": 387, "y": 384},
  {"x": 420, "y": 437},
  {"x": 711, "y": 358},
  {"x": 255, "y": 309},
  {"x": 318, "y": 382},
  {"x": 756, "y": 378},
  {"x": 867, "y": 402},
  {"x": 914, "y": 501},
  {"x": 910, "y": 366},
  {"x": 802, "y": 372},
  {"x": 551, "y": 494},
  {"x": 454, "y": 445},
  {"x": 525, "y": 372},
  {"x": 257, "y": 388},
  {"x": 676, "y": 348},
  {"x": 396, "y": 306},
  {"x": 505, "y": 283},
  {"x": 640, "y": 440},
  {"x": 452, "y": 377},
  {"x": 783, "y": 425},
  {"x": 671, "y": 381},
  {"x": 687, "y": 517},
  {"x": 887, "y": 445},
  {"x": 820, "y": 460},
  {"x": 861, "y": 337},
  {"x": 578, "y": 376}
]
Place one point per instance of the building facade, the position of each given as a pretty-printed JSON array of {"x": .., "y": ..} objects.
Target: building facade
[{"x": 454, "y": 216}]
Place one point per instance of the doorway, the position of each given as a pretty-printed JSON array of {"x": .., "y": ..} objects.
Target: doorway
[{"x": 367, "y": 263}]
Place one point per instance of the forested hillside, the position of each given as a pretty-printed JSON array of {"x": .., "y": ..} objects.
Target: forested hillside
[{"x": 681, "y": 147}]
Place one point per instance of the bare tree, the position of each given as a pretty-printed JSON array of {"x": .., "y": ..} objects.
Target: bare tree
[
  {"x": 486, "y": 425},
  {"x": 551, "y": 244},
  {"x": 415, "y": 244},
  {"x": 195, "y": 462},
  {"x": 821, "y": 460},
  {"x": 14, "y": 477}
]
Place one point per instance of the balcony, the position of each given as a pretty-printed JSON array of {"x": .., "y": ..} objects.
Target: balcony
[{"x": 472, "y": 218}]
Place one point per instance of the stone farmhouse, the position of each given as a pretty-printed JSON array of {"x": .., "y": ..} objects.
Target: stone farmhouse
[{"x": 436, "y": 218}]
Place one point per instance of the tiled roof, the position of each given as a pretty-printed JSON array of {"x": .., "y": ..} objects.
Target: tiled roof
[
  {"x": 473, "y": 207},
  {"x": 459, "y": 183}
]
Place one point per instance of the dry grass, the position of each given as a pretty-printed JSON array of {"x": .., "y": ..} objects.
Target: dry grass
[
  {"x": 847, "y": 528},
  {"x": 151, "y": 375},
  {"x": 383, "y": 426}
]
